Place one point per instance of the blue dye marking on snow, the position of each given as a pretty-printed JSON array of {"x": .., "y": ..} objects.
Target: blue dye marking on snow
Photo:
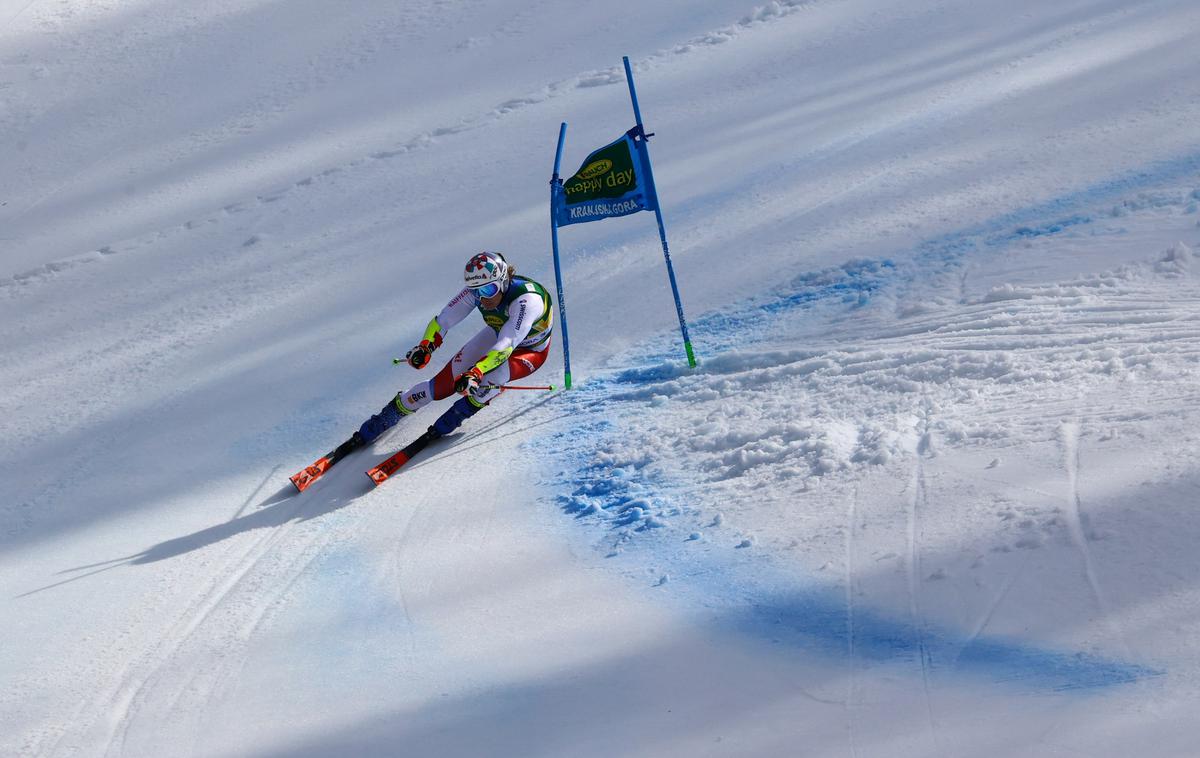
[
  {"x": 1062, "y": 671},
  {"x": 852, "y": 284},
  {"x": 628, "y": 499},
  {"x": 818, "y": 619},
  {"x": 621, "y": 495},
  {"x": 660, "y": 373},
  {"x": 1031, "y": 222},
  {"x": 1055, "y": 227},
  {"x": 855, "y": 283}
]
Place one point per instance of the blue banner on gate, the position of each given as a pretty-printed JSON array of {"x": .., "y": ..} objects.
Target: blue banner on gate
[{"x": 611, "y": 182}]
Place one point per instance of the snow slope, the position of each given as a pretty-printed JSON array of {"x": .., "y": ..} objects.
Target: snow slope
[{"x": 930, "y": 491}]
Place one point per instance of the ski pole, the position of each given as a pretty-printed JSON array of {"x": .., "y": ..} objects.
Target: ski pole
[
  {"x": 545, "y": 388},
  {"x": 548, "y": 387}
]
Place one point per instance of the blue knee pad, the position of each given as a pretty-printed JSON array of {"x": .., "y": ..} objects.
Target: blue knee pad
[
  {"x": 462, "y": 410},
  {"x": 380, "y": 422}
]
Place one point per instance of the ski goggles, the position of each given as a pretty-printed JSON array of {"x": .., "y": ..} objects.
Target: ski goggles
[{"x": 491, "y": 289}]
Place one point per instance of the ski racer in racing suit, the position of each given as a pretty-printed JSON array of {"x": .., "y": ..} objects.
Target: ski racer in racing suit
[{"x": 513, "y": 344}]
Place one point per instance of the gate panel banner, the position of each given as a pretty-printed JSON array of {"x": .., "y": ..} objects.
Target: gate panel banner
[{"x": 610, "y": 183}]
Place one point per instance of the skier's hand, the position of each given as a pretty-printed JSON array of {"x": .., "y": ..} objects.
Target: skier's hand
[
  {"x": 419, "y": 356},
  {"x": 468, "y": 383}
]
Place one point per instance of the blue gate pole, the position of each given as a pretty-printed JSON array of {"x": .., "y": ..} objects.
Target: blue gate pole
[
  {"x": 556, "y": 188},
  {"x": 662, "y": 231}
]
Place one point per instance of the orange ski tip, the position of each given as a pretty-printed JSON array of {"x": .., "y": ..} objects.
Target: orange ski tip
[
  {"x": 302, "y": 479},
  {"x": 380, "y": 473}
]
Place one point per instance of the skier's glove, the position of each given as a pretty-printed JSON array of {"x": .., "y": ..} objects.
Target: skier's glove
[
  {"x": 419, "y": 356},
  {"x": 468, "y": 383}
]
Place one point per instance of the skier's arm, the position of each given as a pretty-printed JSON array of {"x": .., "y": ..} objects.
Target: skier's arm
[
  {"x": 455, "y": 311},
  {"x": 459, "y": 307},
  {"x": 522, "y": 313}
]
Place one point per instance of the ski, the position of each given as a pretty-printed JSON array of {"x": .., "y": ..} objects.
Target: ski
[
  {"x": 309, "y": 474},
  {"x": 380, "y": 473}
]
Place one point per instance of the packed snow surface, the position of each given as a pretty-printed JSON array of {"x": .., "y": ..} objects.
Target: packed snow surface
[{"x": 930, "y": 491}]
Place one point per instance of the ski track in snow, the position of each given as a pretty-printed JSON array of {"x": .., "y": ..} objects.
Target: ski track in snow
[
  {"x": 20, "y": 283},
  {"x": 141, "y": 681},
  {"x": 1069, "y": 432},
  {"x": 995, "y": 602},
  {"x": 1101, "y": 327},
  {"x": 917, "y": 503},
  {"x": 161, "y": 685},
  {"x": 853, "y": 694}
]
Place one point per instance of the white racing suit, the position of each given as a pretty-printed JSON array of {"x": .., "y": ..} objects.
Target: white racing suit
[{"x": 513, "y": 344}]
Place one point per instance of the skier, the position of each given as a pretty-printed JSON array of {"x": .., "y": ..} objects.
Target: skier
[{"x": 513, "y": 344}]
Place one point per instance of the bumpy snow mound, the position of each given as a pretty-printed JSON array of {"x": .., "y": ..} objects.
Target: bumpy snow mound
[
  {"x": 1176, "y": 261},
  {"x": 665, "y": 444}
]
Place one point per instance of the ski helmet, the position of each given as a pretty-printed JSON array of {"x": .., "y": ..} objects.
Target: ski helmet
[{"x": 486, "y": 274}]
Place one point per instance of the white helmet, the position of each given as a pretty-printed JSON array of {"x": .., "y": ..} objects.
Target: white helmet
[{"x": 487, "y": 274}]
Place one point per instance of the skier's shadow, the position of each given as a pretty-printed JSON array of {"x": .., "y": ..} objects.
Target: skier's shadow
[
  {"x": 341, "y": 486},
  {"x": 337, "y": 489},
  {"x": 282, "y": 508}
]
